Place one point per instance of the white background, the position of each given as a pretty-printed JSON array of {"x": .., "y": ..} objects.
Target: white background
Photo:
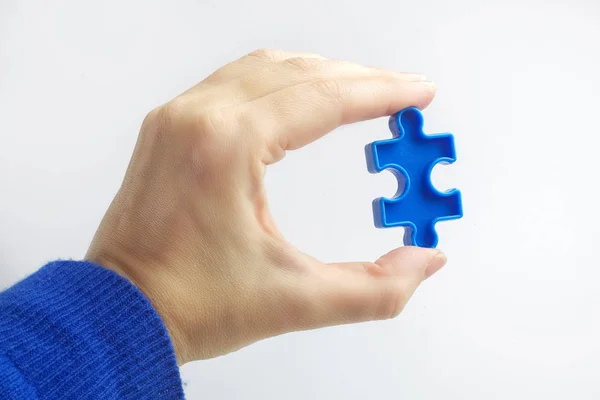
[{"x": 514, "y": 315}]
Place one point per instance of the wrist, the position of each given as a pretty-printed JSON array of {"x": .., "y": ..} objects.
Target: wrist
[{"x": 171, "y": 324}]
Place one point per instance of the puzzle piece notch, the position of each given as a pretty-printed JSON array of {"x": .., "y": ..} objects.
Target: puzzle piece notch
[{"x": 411, "y": 156}]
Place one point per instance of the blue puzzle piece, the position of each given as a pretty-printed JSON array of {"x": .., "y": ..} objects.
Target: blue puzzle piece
[{"x": 411, "y": 156}]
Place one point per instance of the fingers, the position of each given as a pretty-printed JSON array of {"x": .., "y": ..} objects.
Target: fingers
[
  {"x": 308, "y": 111},
  {"x": 274, "y": 55},
  {"x": 253, "y": 62},
  {"x": 402, "y": 260},
  {"x": 312, "y": 69},
  {"x": 308, "y": 95},
  {"x": 292, "y": 72},
  {"x": 357, "y": 292},
  {"x": 295, "y": 98},
  {"x": 314, "y": 65},
  {"x": 299, "y": 97}
]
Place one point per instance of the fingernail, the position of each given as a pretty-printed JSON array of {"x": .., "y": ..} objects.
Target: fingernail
[
  {"x": 427, "y": 83},
  {"x": 435, "y": 264}
]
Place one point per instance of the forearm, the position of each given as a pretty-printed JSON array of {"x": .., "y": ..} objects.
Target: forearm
[{"x": 77, "y": 330}]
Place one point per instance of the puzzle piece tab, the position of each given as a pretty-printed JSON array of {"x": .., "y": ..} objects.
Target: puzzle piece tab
[{"x": 411, "y": 156}]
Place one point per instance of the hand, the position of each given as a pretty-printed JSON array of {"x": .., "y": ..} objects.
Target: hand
[{"x": 191, "y": 228}]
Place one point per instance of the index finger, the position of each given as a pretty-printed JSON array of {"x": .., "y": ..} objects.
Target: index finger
[{"x": 305, "y": 112}]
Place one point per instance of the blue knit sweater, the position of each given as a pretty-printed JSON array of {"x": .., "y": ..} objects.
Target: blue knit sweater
[{"x": 75, "y": 330}]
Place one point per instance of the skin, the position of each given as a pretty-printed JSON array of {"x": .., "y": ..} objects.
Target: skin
[{"x": 190, "y": 225}]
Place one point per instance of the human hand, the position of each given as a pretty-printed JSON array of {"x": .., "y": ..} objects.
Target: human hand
[{"x": 190, "y": 225}]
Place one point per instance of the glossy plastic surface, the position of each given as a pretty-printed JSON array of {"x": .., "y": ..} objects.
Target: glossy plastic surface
[{"x": 411, "y": 156}]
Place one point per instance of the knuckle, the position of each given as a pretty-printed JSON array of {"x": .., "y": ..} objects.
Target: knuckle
[
  {"x": 153, "y": 118},
  {"x": 329, "y": 88},
  {"x": 249, "y": 85},
  {"x": 303, "y": 64},
  {"x": 392, "y": 304},
  {"x": 264, "y": 54},
  {"x": 209, "y": 142},
  {"x": 174, "y": 110},
  {"x": 160, "y": 121},
  {"x": 179, "y": 117},
  {"x": 208, "y": 125}
]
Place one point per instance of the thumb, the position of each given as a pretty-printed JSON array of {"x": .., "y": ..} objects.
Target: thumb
[{"x": 364, "y": 291}]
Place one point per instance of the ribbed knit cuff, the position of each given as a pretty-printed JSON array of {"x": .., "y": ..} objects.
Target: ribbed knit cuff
[{"x": 77, "y": 330}]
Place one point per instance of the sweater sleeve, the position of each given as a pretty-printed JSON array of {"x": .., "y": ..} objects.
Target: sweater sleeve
[{"x": 75, "y": 330}]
